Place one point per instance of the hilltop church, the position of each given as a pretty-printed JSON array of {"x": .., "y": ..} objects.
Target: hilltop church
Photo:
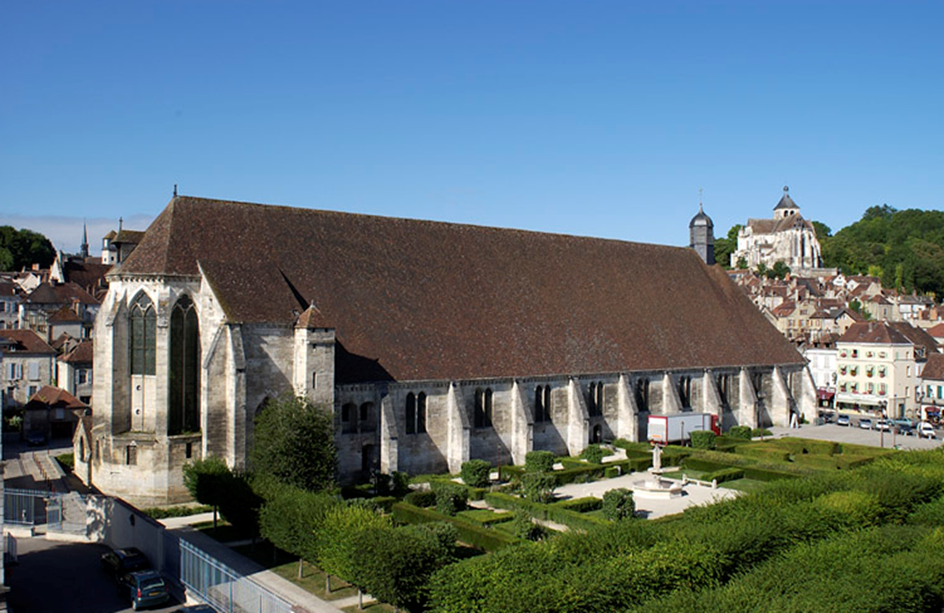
[
  {"x": 787, "y": 238},
  {"x": 433, "y": 343}
]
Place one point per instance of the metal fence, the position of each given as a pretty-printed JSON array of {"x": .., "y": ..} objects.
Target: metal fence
[
  {"x": 224, "y": 588},
  {"x": 31, "y": 507}
]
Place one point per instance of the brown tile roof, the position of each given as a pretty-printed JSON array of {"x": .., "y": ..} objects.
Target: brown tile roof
[
  {"x": 88, "y": 275},
  {"x": 54, "y": 398},
  {"x": 934, "y": 369},
  {"x": 80, "y": 354},
  {"x": 65, "y": 293},
  {"x": 890, "y": 332},
  {"x": 771, "y": 226},
  {"x": 129, "y": 236},
  {"x": 917, "y": 336},
  {"x": 425, "y": 300},
  {"x": 64, "y": 314},
  {"x": 937, "y": 331},
  {"x": 27, "y": 341}
]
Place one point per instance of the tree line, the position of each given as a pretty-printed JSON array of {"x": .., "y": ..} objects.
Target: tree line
[
  {"x": 20, "y": 249},
  {"x": 905, "y": 249}
]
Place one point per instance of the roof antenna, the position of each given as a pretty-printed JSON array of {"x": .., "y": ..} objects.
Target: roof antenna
[
  {"x": 700, "y": 209},
  {"x": 120, "y": 221},
  {"x": 175, "y": 190}
]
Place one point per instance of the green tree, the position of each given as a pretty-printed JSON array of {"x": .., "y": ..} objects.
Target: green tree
[
  {"x": 337, "y": 540},
  {"x": 619, "y": 504},
  {"x": 291, "y": 520},
  {"x": 742, "y": 263},
  {"x": 207, "y": 480},
  {"x": 780, "y": 270},
  {"x": 21, "y": 248},
  {"x": 394, "y": 564},
  {"x": 294, "y": 443},
  {"x": 761, "y": 270}
]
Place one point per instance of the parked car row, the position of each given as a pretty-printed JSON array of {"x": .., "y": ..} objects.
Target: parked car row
[
  {"x": 136, "y": 580},
  {"x": 901, "y": 426}
]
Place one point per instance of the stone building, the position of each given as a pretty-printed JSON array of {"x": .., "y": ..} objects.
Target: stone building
[
  {"x": 701, "y": 232},
  {"x": 433, "y": 343},
  {"x": 787, "y": 237},
  {"x": 879, "y": 367},
  {"x": 28, "y": 363}
]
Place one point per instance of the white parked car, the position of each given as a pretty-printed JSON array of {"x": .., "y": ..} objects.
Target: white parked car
[{"x": 925, "y": 430}]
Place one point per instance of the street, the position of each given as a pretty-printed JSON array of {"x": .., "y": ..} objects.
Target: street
[
  {"x": 52, "y": 577},
  {"x": 855, "y": 435}
]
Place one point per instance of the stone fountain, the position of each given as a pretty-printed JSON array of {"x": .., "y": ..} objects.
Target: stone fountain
[{"x": 654, "y": 487}]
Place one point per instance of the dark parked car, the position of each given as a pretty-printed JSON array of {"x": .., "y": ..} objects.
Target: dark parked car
[
  {"x": 145, "y": 587},
  {"x": 197, "y": 608},
  {"x": 828, "y": 417},
  {"x": 36, "y": 439},
  {"x": 120, "y": 562}
]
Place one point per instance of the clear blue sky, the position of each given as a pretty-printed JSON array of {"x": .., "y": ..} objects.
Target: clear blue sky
[{"x": 583, "y": 117}]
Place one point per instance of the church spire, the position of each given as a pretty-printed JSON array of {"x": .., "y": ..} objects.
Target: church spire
[{"x": 83, "y": 249}]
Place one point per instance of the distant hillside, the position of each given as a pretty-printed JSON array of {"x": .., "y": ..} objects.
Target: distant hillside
[{"x": 904, "y": 248}]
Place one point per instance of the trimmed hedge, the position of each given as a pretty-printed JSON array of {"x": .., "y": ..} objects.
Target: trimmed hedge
[
  {"x": 539, "y": 461},
  {"x": 582, "y": 474},
  {"x": 741, "y": 432},
  {"x": 769, "y": 454},
  {"x": 595, "y": 454},
  {"x": 475, "y": 535},
  {"x": 618, "y": 504},
  {"x": 485, "y": 517},
  {"x": 580, "y": 505},
  {"x": 421, "y": 498},
  {"x": 611, "y": 471},
  {"x": 724, "y": 474},
  {"x": 383, "y": 502},
  {"x": 450, "y": 497},
  {"x": 475, "y": 473},
  {"x": 551, "y": 512},
  {"x": 703, "y": 439}
]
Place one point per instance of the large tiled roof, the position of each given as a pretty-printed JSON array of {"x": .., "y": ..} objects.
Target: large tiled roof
[
  {"x": 425, "y": 300},
  {"x": 65, "y": 293},
  {"x": 888, "y": 332},
  {"x": 27, "y": 341}
]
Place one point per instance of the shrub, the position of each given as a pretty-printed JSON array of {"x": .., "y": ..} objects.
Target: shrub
[
  {"x": 742, "y": 432},
  {"x": 524, "y": 528},
  {"x": 450, "y": 497},
  {"x": 383, "y": 503},
  {"x": 703, "y": 439},
  {"x": 400, "y": 483},
  {"x": 595, "y": 454},
  {"x": 539, "y": 461},
  {"x": 475, "y": 473},
  {"x": 611, "y": 471},
  {"x": 337, "y": 539},
  {"x": 618, "y": 504},
  {"x": 585, "y": 473},
  {"x": 422, "y": 498},
  {"x": 760, "y": 432},
  {"x": 166, "y": 512},
  {"x": 538, "y": 487},
  {"x": 484, "y": 517}
]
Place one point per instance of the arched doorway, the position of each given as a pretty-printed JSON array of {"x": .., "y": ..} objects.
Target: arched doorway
[
  {"x": 597, "y": 434},
  {"x": 368, "y": 459}
]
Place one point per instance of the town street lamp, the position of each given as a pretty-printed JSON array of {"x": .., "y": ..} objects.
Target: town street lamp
[{"x": 881, "y": 427}]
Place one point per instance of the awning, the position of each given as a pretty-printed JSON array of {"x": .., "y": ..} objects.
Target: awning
[
  {"x": 860, "y": 399},
  {"x": 825, "y": 394}
]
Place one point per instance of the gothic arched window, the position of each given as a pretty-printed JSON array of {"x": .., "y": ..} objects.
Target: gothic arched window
[
  {"x": 411, "y": 413},
  {"x": 143, "y": 332},
  {"x": 421, "y": 413},
  {"x": 184, "y": 415},
  {"x": 642, "y": 394},
  {"x": 595, "y": 399},
  {"x": 483, "y": 408},
  {"x": 349, "y": 418}
]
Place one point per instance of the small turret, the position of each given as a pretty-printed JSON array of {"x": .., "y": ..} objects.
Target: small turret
[{"x": 701, "y": 232}]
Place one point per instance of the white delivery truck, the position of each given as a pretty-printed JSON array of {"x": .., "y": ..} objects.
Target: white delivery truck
[{"x": 677, "y": 429}]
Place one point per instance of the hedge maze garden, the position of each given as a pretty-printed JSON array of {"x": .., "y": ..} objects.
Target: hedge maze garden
[{"x": 818, "y": 527}]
